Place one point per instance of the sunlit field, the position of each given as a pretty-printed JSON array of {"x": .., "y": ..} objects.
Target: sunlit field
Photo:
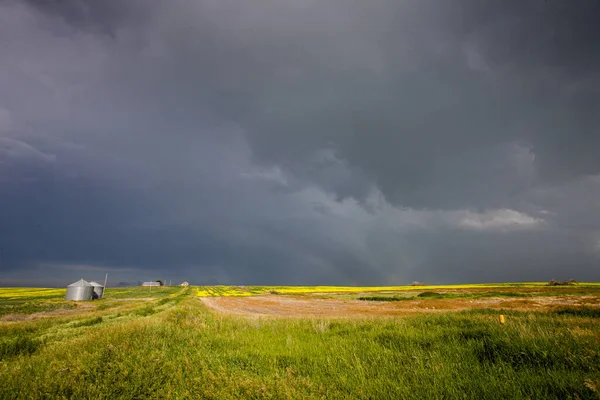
[
  {"x": 215, "y": 343},
  {"x": 217, "y": 291},
  {"x": 15, "y": 293}
]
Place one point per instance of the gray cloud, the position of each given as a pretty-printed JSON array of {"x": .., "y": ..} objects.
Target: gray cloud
[{"x": 305, "y": 142}]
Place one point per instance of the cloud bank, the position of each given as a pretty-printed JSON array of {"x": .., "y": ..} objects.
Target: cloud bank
[{"x": 300, "y": 142}]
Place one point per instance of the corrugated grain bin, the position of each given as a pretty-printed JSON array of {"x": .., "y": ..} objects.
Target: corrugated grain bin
[
  {"x": 80, "y": 290},
  {"x": 98, "y": 289}
]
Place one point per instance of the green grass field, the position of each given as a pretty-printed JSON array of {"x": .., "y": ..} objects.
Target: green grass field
[{"x": 165, "y": 343}]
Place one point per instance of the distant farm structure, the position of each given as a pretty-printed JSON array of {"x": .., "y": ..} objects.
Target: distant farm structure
[
  {"x": 83, "y": 290},
  {"x": 151, "y": 284},
  {"x": 80, "y": 290},
  {"x": 98, "y": 290},
  {"x": 563, "y": 283}
]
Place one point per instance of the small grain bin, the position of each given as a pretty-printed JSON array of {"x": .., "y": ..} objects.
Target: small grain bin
[
  {"x": 80, "y": 290},
  {"x": 98, "y": 290}
]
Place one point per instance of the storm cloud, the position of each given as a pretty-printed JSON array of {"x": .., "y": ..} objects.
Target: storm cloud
[{"x": 299, "y": 142}]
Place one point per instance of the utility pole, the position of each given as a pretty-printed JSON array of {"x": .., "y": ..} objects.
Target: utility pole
[{"x": 105, "y": 279}]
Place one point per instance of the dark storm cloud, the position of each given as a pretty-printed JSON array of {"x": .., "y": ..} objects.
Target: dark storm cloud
[{"x": 299, "y": 142}]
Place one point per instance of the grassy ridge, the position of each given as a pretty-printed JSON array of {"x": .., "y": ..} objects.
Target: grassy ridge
[
  {"x": 37, "y": 300},
  {"x": 142, "y": 292},
  {"x": 431, "y": 295},
  {"x": 32, "y": 300},
  {"x": 173, "y": 347}
]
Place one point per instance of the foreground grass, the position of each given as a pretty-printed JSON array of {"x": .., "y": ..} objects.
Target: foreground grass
[{"x": 172, "y": 347}]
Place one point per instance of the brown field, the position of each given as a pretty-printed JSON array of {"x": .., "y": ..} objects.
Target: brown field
[{"x": 307, "y": 307}]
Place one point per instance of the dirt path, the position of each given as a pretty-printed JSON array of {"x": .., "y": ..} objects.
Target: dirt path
[{"x": 290, "y": 306}]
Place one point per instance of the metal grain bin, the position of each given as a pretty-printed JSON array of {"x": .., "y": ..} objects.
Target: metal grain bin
[
  {"x": 98, "y": 290},
  {"x": 80, "y": 290}
]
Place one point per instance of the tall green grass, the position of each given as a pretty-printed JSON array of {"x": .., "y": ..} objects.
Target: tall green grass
[{"x": 182, "y": 350}]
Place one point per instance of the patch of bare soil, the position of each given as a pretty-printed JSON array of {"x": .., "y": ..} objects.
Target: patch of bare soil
[{"x": 291, "y": 306}]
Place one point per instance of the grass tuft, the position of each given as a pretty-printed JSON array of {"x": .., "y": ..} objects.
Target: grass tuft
[
  {"x": 145, "y": 311},
  {"x": 19, "y": 345},
  {"x": 586, "y": 312},
  {"x": 383, "y": 298},
  {"x": 88, "y": 322}
]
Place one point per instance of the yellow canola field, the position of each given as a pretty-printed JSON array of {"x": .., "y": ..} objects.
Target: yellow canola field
[
  {"x": 15, "y": 293},
  {"x": 228, "y": 291}
]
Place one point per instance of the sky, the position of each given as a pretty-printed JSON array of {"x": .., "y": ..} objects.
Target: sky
[{"x": 299, "y": 142}]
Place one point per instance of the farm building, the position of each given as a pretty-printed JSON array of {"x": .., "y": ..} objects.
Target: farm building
[
  {"x": 98, "y": 290},
  {"x": 80, "y": 290},
  {"x": 151, "y": 284}
]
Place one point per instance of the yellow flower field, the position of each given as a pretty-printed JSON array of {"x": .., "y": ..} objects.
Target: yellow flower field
[
  {"x": 15, "y": 293},
  {"x": 229, "y": 291}
]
